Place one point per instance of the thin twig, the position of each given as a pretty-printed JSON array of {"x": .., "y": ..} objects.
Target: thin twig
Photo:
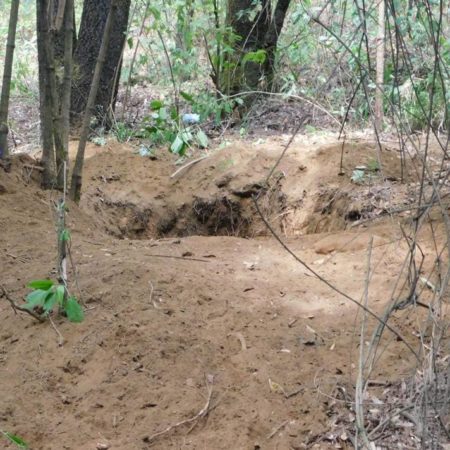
[
  {"x": 191, "y": 163},
  {"x": 277, "y": 429},
  {"x": 152, "y": 289},
  {"x": 361, "y": 382},
  {"x": 202, "y": 413},
  {"x": 178, "y": 257},
  {"x": 60, "y": 336},
  {"x": 16, "y": 307}
]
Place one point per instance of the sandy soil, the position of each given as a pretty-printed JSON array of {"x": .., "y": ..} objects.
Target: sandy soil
[{"x": 185, "y": 290}]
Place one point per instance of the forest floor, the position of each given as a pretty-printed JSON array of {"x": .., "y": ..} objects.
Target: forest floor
[{"x": 201, "y": 330}]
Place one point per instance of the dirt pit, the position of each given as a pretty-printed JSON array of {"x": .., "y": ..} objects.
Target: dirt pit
[
  {"x": 184, "y": 311},
  {"x": 308, "y": 191}
]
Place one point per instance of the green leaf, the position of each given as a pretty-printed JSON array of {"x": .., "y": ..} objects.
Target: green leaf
[
  {"x": 40, "y": 284},
  {"x": 36, "y": 298},
  {"x": 155, "y": 105},
  {"x": 186, "y": 135},
  {"x": 73, "y": 310},
  {"x": 15, "y": 439},
  {"x": 50, "y": 301},
  {"x": 258, "y": 57},
  {"x": 178, "y": 145},
  {"x": 187, "y": 97},
  {"x": 130, "y": 42},
  {"x": 202, "y": 139},
  {"x": 60, "y": 293}
]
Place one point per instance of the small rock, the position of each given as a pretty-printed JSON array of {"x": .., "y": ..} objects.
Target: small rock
[{"x": 102, "y": 446}]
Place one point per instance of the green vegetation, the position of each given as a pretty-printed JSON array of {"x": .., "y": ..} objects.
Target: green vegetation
[
  {"x": 19, "y": 442},
  {"x": 46, "y": 295}
]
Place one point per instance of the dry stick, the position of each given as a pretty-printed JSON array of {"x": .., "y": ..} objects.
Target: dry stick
[
  {"x": 152, "y": 289},
  {"x": 75, "y": 188},
  {"x": 389, "y": 419},
  {"x": 60, "y": 336},
  {"x": 286, "y": 147},
  {"x": 330, "y": 285},
  {"x": 361, "y": 382},
  {"x": 277, "y": 429},
  {"x": 191, "y": 163},
  {"x": 16, "y": 307},
  {"x": 202, "y": 413},
  {"x": 179, "y": 257}
]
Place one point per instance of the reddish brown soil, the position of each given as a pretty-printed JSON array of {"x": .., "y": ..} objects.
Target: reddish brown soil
[{"x": 169, "y": 313}]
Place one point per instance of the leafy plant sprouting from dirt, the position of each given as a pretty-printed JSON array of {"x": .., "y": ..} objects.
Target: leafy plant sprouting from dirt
[
  {"x": 46, "y": 295},
  {"x": 19, "y": 442}
]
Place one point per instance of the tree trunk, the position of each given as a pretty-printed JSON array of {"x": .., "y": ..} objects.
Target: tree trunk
[
  {"x": 7, "y": 71},
  {"x": 45, "y": 107},
  {"x": 93, "y": 20},
  {"x": 271, "y": 39},
  {"x": 54, "y": 24},
  {"x": 260, "y": 33},
  {"x": 379, "y": 92},
  {"x": 75, "y": 188}
]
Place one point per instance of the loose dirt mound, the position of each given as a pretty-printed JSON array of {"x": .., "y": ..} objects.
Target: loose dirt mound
[
  {"x": 166, "y": 318},
  {"x": 139, "y": 197}
]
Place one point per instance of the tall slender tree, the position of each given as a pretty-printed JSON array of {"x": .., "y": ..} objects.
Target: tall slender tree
[
  {"x": 54, "y": 25},
  {"x": 7, "y": 72},
  {"x": 379, "y": 94}
]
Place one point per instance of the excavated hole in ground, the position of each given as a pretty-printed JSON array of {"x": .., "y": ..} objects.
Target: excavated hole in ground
[
  {"x": 309, "y": 193},
  {"x": 231, "y": 215}
]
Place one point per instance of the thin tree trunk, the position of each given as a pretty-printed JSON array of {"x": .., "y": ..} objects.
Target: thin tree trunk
[
  {"x": 7, "y": 71},
  {"x": 53, "y": 96},
  {"x": 45, "y": 106},
  {"x": 75, "y": 188},
  {"x": 379, "y": 91},
  {"x": 66, "y": 85}
]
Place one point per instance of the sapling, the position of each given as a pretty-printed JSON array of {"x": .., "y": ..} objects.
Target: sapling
[{"x": 46, "y": 295}]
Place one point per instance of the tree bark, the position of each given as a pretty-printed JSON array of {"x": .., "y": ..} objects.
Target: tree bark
[
  {"x": 75, "y": 188},
  {"x": 45, "y": 106},
  {"x": 271, "y": 39},
  {"x": 258, "y": 33},
  {"x": 54, "y": 90},
  {"x": 93, "y": 20},
  {"x": 7, "y": 72}
]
